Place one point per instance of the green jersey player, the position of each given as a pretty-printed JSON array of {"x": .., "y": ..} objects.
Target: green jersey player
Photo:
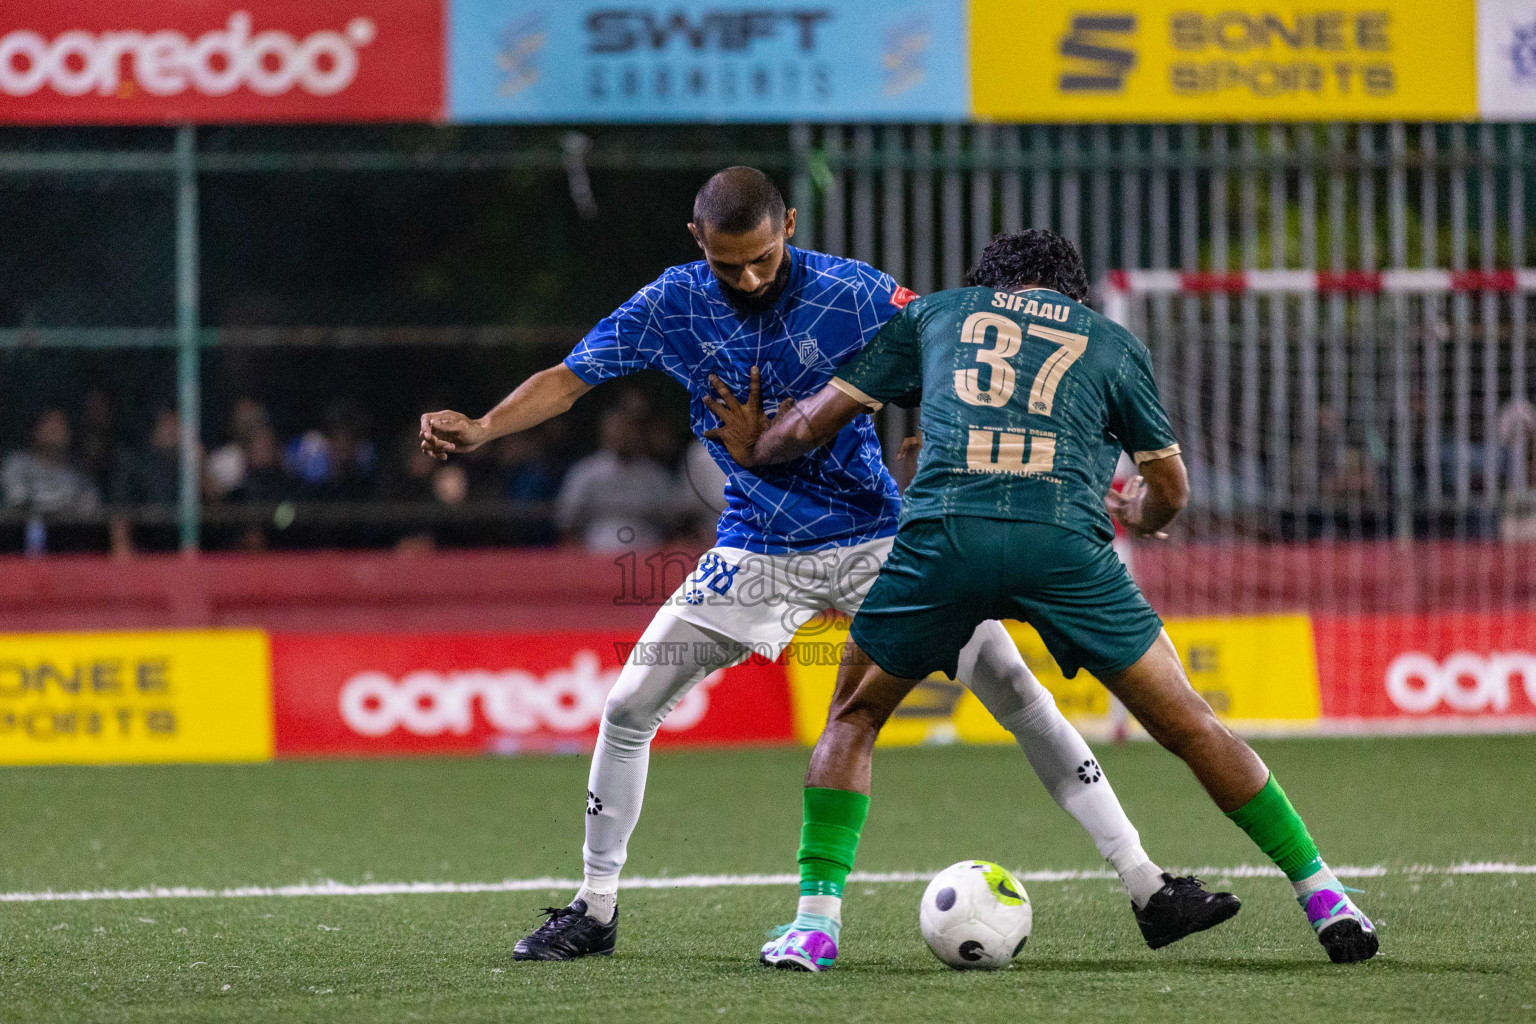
[{"x": 1028, "y": 398}]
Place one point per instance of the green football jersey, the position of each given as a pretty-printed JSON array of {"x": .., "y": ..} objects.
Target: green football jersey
[{"x": 1028, "y": 399}]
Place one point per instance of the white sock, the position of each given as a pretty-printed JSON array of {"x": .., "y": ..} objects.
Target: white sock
[
  {"x": 823, "y": 906},
  {"x": 992, "y": 667},
  {"x": 601, "y": 903},
  {"x": 1141, "y": 878},
  {"x": 641, "y": 697},
  {"x": 1322, "y": 878}
]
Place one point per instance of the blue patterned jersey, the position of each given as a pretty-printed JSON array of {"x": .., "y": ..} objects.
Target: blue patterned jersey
[{"x": 682, "y": 324}]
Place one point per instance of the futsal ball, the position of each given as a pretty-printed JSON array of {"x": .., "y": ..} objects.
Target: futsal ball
[{"x": 976, "y": 916}]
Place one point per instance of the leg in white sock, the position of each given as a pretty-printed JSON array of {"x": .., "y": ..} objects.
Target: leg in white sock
[
  {"x": 992, "y": 667},
  {"x": 640, "y": 699}
]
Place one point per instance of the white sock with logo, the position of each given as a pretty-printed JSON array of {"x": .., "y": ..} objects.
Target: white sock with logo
[
  {"x": 641, "y": 697},
  {"x": 990, "y": 664}
]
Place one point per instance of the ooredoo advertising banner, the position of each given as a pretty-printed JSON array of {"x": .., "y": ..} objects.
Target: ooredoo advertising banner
[
  {"x": 148, "y": 62},
  {"x": 1441, "y": 671},
  {"x": 687, "y": 60},
  {"x": 1222, "y": 60},
  {"x": 360, "y": 694},
  {"x": 97, "y": 698}
]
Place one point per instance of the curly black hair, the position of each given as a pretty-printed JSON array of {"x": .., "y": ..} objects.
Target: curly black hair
[{"x": 1033, "y": 257}]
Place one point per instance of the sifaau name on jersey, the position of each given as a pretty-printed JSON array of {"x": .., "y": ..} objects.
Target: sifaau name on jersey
[{"x": 1016, "y": 303}]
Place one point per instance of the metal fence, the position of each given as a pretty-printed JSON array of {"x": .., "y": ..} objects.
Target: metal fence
[
  {"x": 1306, "y": 412},
  {"x": 1313, "y": 413}
]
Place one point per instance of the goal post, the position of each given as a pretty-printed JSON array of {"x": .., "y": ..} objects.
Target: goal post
[{"x": 1368, "y": 404}]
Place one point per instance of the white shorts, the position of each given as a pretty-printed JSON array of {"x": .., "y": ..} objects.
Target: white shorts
[{"x": 764, "y": 600}]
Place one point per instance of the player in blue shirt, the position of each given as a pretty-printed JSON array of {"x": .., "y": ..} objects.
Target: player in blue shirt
[{"x": 758, "y": 314}]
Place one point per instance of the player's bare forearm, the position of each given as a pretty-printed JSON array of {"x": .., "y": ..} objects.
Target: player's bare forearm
[
  {"x": 806, "y": 426},
  {"x": 1167, "y": 492},
  {"x": 799, "y": 427},
  {"x": 543, "y": 396},
  {"x": 1147, "y": 504}
]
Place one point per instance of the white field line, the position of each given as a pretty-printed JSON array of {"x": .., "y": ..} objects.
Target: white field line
[{"x": 330, "y": 888}]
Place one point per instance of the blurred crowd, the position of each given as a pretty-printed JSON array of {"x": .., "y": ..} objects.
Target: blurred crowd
[
  {"x": 644, "y": 483},
  {"x": 621, "y": 474}
]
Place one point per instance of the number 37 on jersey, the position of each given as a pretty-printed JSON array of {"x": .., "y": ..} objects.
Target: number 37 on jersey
[{"x": 999, "y": 340}]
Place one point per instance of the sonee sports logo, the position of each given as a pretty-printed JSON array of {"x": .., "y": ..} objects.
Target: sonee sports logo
[
  {"x": 594, "y": 805},
  {"x": 1089, "y": 772},
  {"x": 1101, "y": 68}
]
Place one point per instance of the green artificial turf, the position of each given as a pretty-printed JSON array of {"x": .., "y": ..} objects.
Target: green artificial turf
[{"x": 1456, "y": 947}]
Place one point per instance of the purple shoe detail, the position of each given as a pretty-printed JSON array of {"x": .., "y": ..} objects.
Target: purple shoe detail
[
  {"x": 1321, "y": 905},
  {"x": 806, "y": 951},
  {"x": 1326, "y": 907}
]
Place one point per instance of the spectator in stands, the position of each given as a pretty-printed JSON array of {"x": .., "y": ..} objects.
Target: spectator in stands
[
  {"x": 527, "y": 466},
  {"x": 96, "y": 445},
  {"x": 619, "y": 497},
  {"x": 530, "y": 472},
  {"x": 703, "y": 494},
  {"x": 337, "y": 461},
  {"x": 262, "y": 476},
  {"x": 150, "y": 473},
  {"x": 41, "y": 478},
  {"x": 147, "y": 474},
  {"x": 228, "y": 466}
]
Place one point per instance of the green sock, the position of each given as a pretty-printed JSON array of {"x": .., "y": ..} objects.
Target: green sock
[
  {"x": 829, "y": 838},
  {"x": 1273, "y": 824}
]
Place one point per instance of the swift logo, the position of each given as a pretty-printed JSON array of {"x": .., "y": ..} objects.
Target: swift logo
[
  {"x": 1465, "y": 682},
  {"x": 1101, "y": 67},
  {"x": 722, "y": 31}
]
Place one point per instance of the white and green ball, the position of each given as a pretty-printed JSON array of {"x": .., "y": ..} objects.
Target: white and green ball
[{"x": 975, "y": 916}]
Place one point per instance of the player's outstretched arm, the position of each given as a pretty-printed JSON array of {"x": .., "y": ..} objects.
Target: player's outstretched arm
[
  {"x": 543, "y": 396},
  {"x": 755, "y": 440},
  {"x": 1150, "y": 502}
]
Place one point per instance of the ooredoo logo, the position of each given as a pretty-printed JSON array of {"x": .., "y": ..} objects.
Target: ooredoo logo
[
  {"x": 429, "y": 703},
  {"x": 168, "y": 63},
  {"x": 1464, "y": 682}
]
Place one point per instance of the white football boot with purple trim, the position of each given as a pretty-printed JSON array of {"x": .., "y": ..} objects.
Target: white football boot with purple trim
[
  {"x": 808, "y": 943},
  {"x": 1342, "y": 928}
]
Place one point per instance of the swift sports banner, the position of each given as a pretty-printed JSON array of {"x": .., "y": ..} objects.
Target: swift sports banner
[
  {"x": 1223, "y": 60},
  {"x": 691, "y": 60}
]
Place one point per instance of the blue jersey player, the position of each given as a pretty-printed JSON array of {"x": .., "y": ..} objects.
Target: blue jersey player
[{"x": 758, "y": 314}]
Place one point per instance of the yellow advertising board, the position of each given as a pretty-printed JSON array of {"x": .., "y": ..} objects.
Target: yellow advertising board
[
  {"x": 1222, "y": 60},
  {"x": 1257, "y": 672},
  {"x": 96, "y": 698}
]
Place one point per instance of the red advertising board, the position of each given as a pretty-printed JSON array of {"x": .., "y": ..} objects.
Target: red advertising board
[
  {"x": 360, "y": 694},
  {"x": 1440, "y": 668},
  {"x": 153, "y": 62}
]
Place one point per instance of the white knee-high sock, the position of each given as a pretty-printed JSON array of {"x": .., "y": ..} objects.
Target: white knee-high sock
[
  {"x": 993, "y": 669},
  {"x": 640, "y": 699}
]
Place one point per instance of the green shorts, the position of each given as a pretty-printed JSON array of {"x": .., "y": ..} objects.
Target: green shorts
[{"x": 945, "y": 577}]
